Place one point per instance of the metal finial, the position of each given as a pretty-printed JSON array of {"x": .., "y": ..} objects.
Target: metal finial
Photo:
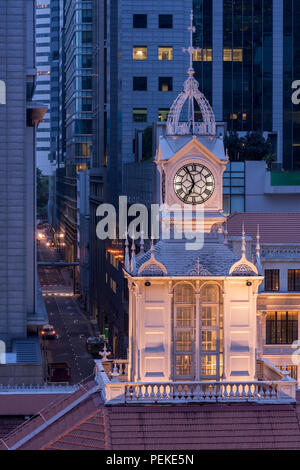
[
  {"x": 243, "y": 240},
  {"x": 225, "y": 233},
  {"x": 133, "y": 261},
  {"x": 127, "y": 260},
  {"x": 104, "y": 353},
  {"x": 258, "y": 263},
  {"x": 258, "y": 242}
]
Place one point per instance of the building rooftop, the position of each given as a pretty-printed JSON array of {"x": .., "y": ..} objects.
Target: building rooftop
[
  {"x": 214, "y": 259},
  {"x": 274, "y": 227},
  {"x": 90, "y": 425}
]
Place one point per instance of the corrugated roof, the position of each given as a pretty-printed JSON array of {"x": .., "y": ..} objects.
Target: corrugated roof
[{"x": 274, "y": 227}]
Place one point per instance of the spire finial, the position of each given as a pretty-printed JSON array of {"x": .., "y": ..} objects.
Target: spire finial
[
  {"x": 258, "y": 242},
  {"x": 243, "y": 241},
  {"x": 127, "y": 261},
  {"x": 190, "y": 50},
  {"x": 258, "y": 263},
  {"x": 133, "y": 261},
  {"x": 152, "y": 248},
  {"x": 225, "y": 233}
]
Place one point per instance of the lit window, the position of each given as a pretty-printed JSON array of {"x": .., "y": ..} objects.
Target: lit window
[
  {"x": 184, "y": 299},
  {"x": 139, "y": 53},
  {"x": 163, "y": 114},
  {"x": 183, "y": 366},
  {"x": 271, "y": 280},
  {"x": 139, "y": 115},
  {"x": 235, "y": 55},
  {"x": 204, "y": 55},
  {"x": 209, "y": 365},
  {"x": 281, "y": 327},
  {"x": 291, "y": 369},
  {"x": 165, "y": 84},
  {"x": 165, "y": 53},
  {"x": 294, "y": 280}
]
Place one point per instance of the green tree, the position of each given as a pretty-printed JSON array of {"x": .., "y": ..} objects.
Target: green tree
[
  {"x": 233, "y": 144},
  {"x": 255, "y": 147},
  {"x": 42, "y": 189}
]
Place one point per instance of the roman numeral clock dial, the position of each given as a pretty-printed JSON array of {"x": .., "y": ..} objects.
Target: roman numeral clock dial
[{"x": 194, "y": 183}]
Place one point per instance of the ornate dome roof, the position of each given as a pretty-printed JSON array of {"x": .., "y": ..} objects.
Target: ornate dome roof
[{"x": 191, "y": 93}]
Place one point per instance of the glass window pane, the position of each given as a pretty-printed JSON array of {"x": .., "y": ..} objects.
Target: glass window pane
[
  {"x": 209, "y": 365},
  {"x": 183, "y": 341},
  {"x": 140, "y": 83},
  {"x": 184, "y": 365},
  {"x": 165, "y": 83},
  {"x": 184, "y": 293},
  {"x": 139, "y": 115},
  {"x": 184, "y": 316},
  {"x": 209, "y": 340},
  {"x": 163, "y": 114},
  {"x": 210, "y": 293},
  {"x": 140, "y": 21},
  {"x": 209, "y": 315},
  {"x": 165, "y": 21},
  {"x": 139, "y": 53},
  {"x": 165, "y": 53}
]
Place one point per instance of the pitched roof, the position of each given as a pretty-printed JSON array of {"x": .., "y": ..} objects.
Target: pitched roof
[
  {"x": 170, "y": 145},
  {"x": 214, "y": 259},
  {"x": 274, "y": 227},
  {"x": 91, "y": 425}
]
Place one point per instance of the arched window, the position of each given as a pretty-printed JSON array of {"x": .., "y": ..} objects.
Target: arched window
[
  {"x": 184, "y": 331},
  {"x": 211, "y": 333}
]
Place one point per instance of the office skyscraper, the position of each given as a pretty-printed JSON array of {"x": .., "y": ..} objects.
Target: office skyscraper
[
  {"x": 42, "y": 91},
  {"x": 247, "y": 60},
  {"x": 21, "y": 307}
]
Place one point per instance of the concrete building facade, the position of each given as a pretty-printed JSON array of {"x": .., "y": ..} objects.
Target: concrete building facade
[
  {"x": 42, "y": 90},
  {"x": 21, "y": 306}
]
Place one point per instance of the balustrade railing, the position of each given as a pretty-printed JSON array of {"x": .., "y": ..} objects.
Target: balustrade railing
[
  {"x": 202, "y": 392},
  {"x": 117, "y": 389}
]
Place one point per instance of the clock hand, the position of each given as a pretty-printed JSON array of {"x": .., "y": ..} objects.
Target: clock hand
[
  {"x": 190, "y": 175},
  {"x": 192, "y": 188}
]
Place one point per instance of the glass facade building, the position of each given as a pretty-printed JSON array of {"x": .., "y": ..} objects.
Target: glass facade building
[{"x": 247, "y": 59}]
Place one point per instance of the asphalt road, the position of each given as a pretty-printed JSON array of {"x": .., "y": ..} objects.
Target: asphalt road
[{"x": 70, "y": 322}]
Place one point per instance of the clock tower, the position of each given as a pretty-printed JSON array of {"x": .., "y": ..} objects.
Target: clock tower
[
  {"x": 192, "y": 310},
  {"x": 190, "y": 157}
]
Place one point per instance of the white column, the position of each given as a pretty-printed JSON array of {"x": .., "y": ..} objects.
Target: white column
[
  {"x": 170, "y": 332},
  {"x": 198, "y": 339}
]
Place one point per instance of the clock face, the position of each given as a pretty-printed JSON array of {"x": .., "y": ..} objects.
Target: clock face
[{"x": 194, "y": 183}]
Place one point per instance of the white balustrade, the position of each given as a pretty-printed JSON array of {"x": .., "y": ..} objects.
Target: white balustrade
[
  {"x": 201, "y": 392},
  {"x": 122, "y": 391}
]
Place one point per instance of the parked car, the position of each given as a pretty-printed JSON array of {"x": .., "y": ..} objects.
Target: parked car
[
  {"x": 59, "y": 373},
  {"x": 95, "y": 344},
  {"x": 48, "y": 332}
]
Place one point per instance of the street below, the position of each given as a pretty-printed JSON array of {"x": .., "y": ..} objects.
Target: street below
[{"x": 70, "y": 322}]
